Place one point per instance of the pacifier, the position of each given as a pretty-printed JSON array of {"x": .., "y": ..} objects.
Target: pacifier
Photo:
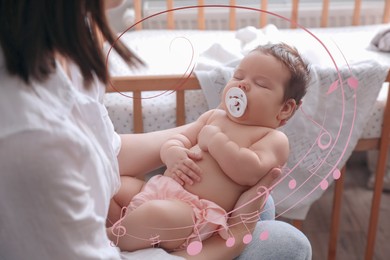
[{"x": 235, "y": 101}]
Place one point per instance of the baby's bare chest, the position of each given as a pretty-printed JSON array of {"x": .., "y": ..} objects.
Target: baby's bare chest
[{"x": 242, "y": 135}]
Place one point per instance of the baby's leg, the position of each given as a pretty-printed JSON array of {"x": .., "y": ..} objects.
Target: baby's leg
[
  {"x": 164, "y": 222},
  {"x": 130, "y": 186}
]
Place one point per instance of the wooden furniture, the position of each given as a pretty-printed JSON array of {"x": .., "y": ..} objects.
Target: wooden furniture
[{"x": 138, "y": 84}]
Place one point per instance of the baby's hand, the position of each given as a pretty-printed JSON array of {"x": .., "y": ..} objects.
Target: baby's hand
[
  {"x": 206, "y": 134},
  {"x": 181, "y": 166}
]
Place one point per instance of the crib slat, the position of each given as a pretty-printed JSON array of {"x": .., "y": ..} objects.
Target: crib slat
[
  {"x": 137, "y": 110},
  {"x": 294, "y": 13},
  {"x": 232, "y": 15},
  {"x": 379, "y": 178},
  {"x": 356, "y": 12},
  {"x": 180, "y": 108},
  {"x": 336, "y": 211},
  {"x": 263, "y": 16},
  {"x": 201, "y": 16},
  {"x": 386, "y": 12},
  {"x": 138, "y": 13},
  {"x": 325, "y": 13},
  {"x": 170, "y": 20}
]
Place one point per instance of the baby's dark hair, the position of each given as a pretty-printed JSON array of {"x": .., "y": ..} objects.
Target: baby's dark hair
[{"x": 299, "y": 69}]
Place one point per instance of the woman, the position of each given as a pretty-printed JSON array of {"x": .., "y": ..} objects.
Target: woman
[{"x": 58, "y": 150}]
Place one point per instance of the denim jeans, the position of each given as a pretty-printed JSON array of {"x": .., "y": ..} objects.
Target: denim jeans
[{"x": 284, "y": 240}]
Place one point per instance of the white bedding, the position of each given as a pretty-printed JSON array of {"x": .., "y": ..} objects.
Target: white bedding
[{"x": 159, "y": 112}]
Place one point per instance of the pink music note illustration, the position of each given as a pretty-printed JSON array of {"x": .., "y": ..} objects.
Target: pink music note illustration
[
  {"x": 155, "y": 240},
  {"x": 264, "y": 235},
  {"x": 247, "y": 218},
  {"x": 195, "y": 247},
  {"x": 333, "y": 87},
  {"x": 292, "y": 184},
  {"x": 118, "y": 230},
  {"x": 315, "y": 166},
  {"x": 320, "y": 141},
  {"x": 353, "y": 82},
  {"x": 336, "y": 174},
  {"x": 324, "y": 184},
  {"x": 230, "y": 241}
]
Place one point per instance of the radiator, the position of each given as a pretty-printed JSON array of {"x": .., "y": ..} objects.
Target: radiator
[{"x": 340, "y": 14}]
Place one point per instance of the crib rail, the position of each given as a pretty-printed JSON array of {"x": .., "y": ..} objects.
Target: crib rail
[
  {"x": 263, "y": 5},
  {"x": 138, "y": 84}
]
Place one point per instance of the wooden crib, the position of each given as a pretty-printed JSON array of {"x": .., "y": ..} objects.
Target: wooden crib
[{"x": 138, "y": 84}]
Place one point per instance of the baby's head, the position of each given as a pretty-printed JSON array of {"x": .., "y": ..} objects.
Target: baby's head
[
  {"x": 299, "y": 70},
  {"x": 267, "y": 86}
]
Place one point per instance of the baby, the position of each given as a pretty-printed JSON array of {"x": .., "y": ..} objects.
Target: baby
[{"x": 230, "y": 148}]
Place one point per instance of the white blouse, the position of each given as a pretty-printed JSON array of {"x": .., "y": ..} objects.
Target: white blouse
[{"x": 58, "y": 169}]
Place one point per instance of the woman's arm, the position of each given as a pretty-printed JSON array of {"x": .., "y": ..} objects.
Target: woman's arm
[
  {"x": 215, "y": 246},
  {"x": 140, "y": 153}
]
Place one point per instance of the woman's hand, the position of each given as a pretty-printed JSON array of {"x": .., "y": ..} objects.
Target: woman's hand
[{"x": 253, "y": 200}]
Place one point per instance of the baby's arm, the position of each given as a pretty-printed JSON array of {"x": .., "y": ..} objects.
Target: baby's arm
[
  {"x": 253, "y": 162},
  {"x": 177, "y": 156}
]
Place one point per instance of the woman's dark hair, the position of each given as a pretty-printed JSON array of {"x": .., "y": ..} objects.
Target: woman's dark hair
[
  {"x": 33, "y": 31},
  {"x": 299, "y": 69}
]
